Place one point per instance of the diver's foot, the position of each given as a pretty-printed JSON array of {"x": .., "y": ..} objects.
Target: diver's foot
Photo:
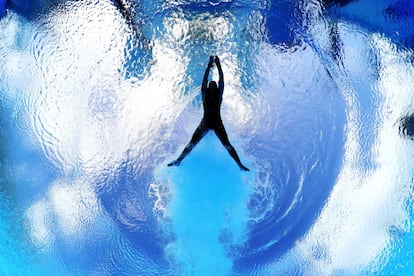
[
  {"x": 174, "y": 163},
  {"x": 243, "y": 168}
]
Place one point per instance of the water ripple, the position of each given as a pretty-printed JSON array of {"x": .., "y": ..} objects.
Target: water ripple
[{"x": 100, "y": 99}]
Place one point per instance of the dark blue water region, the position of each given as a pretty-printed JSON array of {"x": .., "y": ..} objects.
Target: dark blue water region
[
  {"x": 28, "y": 8},
  {"x": 2, "y": 8},
  {"x": 406, "y": 126},
  {"x": 391, "y": 18}
]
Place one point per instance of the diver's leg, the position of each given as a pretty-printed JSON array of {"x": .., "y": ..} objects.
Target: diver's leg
[
  {"x": 199, "y": 133},
  {"x": 222, "y": 135}
]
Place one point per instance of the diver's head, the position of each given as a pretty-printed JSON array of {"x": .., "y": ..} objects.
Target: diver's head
[{"x": 212, "y": 85}]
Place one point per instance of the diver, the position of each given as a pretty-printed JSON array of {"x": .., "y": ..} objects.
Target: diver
[{"x": 212, "y": 97}]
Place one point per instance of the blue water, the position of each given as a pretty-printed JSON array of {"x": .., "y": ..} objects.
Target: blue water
[{"x": 98, "y": 96}]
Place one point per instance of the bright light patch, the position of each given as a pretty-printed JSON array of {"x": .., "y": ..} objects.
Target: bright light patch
[{"x": 38, "y": 216}]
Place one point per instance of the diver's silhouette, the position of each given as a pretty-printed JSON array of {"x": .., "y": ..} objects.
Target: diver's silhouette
[{"x": 212, "y": 97}]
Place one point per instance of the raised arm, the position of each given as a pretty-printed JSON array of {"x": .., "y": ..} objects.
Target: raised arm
[
  {"x": 221, "y": 78},
  {"x": 206, "y": 73}
]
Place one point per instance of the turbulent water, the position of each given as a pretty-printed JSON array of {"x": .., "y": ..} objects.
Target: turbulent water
[{"x": 98, "y": 96}]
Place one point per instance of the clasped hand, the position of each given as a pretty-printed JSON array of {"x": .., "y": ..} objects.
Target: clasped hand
[{"x": 214, "y": 59}]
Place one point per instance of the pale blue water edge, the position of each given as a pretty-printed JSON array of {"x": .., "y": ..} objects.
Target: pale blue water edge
[{"x": 98, "y": 96}]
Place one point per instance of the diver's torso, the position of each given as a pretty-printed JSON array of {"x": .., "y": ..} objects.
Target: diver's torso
[
  {"x": 212, "y": 100},
  {"x": 211, "y": 103}
]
